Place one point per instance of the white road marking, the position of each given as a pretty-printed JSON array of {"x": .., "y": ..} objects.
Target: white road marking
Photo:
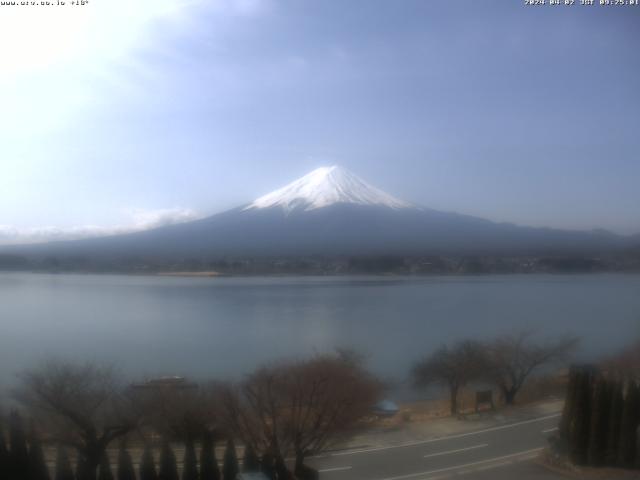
[
  {"x": 465, "y": 465},
  {"x": 482, "y": 445},
  {"x": 441, "y": 439},
  {"x": 491, "y": 466},
  {"x": 549, "y": 430},
  {"x": 334, "y": 469}
]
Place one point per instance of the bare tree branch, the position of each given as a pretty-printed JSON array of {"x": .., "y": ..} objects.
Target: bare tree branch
[
  {"x": 452, "y": 366},
  {"x": 511, "y": 359},
  {"x": 81, "y": 405}
]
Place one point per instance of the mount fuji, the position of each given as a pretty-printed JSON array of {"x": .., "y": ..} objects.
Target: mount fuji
[
  {"x": 329, "y": 212},
  {"x": 324, "y": 187}
]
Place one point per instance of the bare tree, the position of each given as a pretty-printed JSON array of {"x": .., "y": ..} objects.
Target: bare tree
[
  {"x": 626, "y": 362},
  {"x": 175, "y": 410},
  {"x": 301, "y": 407},
  {"x": 511, "y": 359},
  {"x": 253, "y": 410},
  {"x": 452, "y": 366},
  {"x": 79, "y": 405},
  {"x": 327, "y": 396}
]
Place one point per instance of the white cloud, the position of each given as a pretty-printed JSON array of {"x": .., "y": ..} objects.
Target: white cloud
[
  {"x": 145, "y": 219},
  {"x": 139, "y": 220}
]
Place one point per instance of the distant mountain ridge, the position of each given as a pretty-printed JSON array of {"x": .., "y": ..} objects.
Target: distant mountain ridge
[{"x": 331, "y": 212}]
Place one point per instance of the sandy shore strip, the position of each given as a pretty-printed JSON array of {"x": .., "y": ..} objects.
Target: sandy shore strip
[{"x": 190, "y": 274}]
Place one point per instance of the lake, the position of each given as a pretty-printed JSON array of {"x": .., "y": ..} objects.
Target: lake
[{"x": 224, "y": 327}]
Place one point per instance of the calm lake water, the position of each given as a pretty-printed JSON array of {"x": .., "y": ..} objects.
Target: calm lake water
[{"x": 226, "y": 326}]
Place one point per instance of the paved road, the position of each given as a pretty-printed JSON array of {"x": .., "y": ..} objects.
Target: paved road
[{"x": 493, "y": 453}]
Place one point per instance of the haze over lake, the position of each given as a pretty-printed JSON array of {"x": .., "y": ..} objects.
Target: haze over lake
[{"x": 225, "y": 327}]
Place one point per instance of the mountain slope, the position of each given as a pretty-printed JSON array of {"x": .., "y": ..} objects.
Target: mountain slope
[{"x": 330, "y": 212}]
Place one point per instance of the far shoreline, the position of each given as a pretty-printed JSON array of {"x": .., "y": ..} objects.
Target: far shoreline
[
  {"x": 190, "y": 274},
  {"x": 387, "y": 275}
]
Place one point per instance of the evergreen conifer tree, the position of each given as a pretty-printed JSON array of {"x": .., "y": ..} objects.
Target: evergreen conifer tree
[
  {"x": 304, "y": 472},
  {"x": 282, "y": 472},
  {"x": 148, "y": 465},
  {"x": 251, "y": 462},
  {"x": 4, "y": 456},
  {"x": 104, "y": 472},
  {"x": 168, "y": 468},
  {"x": 598, "y": 423},
  {"x": 569, "y": 404},
  {"x": 579, "y": 427},
  {"x": 37, "y": 465},
  {"x": 82, "y": 469},
  {"x": 208, "y": 463},
  {"x": 268, "y": 467},
  {"x": 230, "y": 462},
  {"x": 19, "y": 455},
  {"x": 190, "y": 462},
  {"x": 63, "y": 465},
  {"x": 628, "y": 427},
  {"x": 613, "y": 424},
  {"x": 125, "y": 469}
]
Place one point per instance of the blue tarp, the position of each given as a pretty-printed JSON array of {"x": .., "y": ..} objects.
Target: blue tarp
[{"x": 386, "y": 407}]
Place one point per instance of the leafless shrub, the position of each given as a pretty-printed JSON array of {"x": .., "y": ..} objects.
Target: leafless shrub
[
  {"x": 452, "y": 366},
  {"x": 301, "y": 407},
  {"x": 511, "y": 359},
  {"x": 176, "y": 412},
  {"x": 626, "y": 363},
  {"x": 79, "y": 405}
]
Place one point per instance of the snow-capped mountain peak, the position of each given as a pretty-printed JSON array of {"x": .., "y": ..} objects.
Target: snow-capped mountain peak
[{"x": 326, "y": 186}]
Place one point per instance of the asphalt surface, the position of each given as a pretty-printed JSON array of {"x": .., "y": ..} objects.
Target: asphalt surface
[{"x": 500, "y": 452}]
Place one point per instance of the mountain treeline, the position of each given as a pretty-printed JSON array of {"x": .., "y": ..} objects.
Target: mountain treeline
[{"x": 323, "y": 265}]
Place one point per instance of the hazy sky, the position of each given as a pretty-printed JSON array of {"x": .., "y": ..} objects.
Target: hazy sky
[{"x": 128, "y": 112}]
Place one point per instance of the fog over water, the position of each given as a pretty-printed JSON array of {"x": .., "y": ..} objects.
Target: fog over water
[{"x": 224, "y": 327}]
